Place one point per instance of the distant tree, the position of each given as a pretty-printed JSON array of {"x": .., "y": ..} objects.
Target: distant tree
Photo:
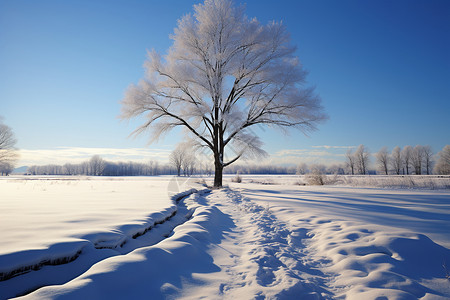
[
  {"x": 428, "y": 158},
  {"x": 188, "y": 164},
  {"x": 6, "y": 168},
  {"x": 207, "y": 168},
  {"x": 362, "y": 156},
  {"x": 8, "y": 152},
  {"x": 396, "y": 160},
  {"x": 442, "y": 166},
  {"x": 70, "y": 169},
  {"x": 224, "y": 74},
  {"x": 407, "y": 157},
  {"x": 176, "y": 158},
  {"x": 153, "y": 167},
  {"x": 96, "y": 165},
  {"x": 302, "y": 169},
  {"x": 351, "y": 161},
  {"x": 417, "y": 159},
  {"x": 382, "y": 157},
  {"x": 336, "y": 169}
]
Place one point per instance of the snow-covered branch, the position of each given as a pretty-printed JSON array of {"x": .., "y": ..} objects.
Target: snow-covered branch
[{"x": 223, "y": 74}]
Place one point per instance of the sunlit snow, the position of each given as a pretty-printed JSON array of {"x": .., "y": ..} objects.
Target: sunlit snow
[{"x": 267, "y": 237}]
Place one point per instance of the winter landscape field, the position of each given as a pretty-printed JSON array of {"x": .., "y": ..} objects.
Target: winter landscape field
[
  {"x": 132, "y": 134},
  {"x": 265, "y": 237}
]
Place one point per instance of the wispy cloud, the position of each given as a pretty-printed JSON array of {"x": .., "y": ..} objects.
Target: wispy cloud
[
  {"x": 334, "y": 147},
  {"x": 64, "y": 155},
  {"x": 305, "y": 152},
  {"x": 312, "y": 155},
  {"x": 289, "y": 152}
]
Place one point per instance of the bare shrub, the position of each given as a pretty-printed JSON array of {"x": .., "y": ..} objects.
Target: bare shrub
[
  {"x": 315, "y": 178},
  {"x": 237, "y": 178}
]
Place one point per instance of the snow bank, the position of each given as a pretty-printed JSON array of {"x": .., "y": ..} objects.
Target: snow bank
[
  {"x": 154, "y": 271},
  {"x": 54, "y": 221}
]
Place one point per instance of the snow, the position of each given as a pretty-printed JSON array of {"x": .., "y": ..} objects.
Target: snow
[
  {"x": 248, "y": 241},
  {"x": 47, "y": 221},
  {"x": 370, "y": 242}
]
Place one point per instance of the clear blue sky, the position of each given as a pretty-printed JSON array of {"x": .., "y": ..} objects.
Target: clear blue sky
[{"x": 382, "y": 69}]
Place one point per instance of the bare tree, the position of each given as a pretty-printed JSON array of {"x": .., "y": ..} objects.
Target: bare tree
[
  {"x": 70, "y": 169},
  {"x": 417, "y": 159},
  {"x": 96, "y": 165},
  {"x": 407, "y": 156},
  {"x": 336, "y": 169},
  {"x": 382, "y": 157},
  {"x": 428, "y": 158},
  {"x": 8, "y": 152},
  {"x": 302, "y": 169},
  {"x": 188, "y": 164},
  {"x": 6, "y": 168},
  {"x": 223, "y": 74},
  {"x": 362, "y": 157},
  {"x": 176, "y": 158},
  {"x": 396, "y": 160},
  {"x": 351, "y": 161},
  {"x": 442, "y": 166}
]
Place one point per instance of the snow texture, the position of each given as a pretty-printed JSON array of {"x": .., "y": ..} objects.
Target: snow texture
[
  {"x": 46, "y": 223},
  {"x": 257, "y": 241}
]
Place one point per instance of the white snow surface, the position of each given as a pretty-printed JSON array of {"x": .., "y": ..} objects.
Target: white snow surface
[{"x": 248, "y": 241}]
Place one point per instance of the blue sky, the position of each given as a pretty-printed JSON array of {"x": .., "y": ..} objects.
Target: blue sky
[{"x": 382, "y": 69}]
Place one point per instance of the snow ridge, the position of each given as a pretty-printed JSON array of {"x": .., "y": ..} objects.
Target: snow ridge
[
  {"x": 49, "y": 261},
  {"x": 20, "y": 263}
]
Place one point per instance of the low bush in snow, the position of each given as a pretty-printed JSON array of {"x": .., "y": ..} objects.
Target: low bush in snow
[
  {"x": 315, "y": 178},
  {"x": 237, "y": 178}
]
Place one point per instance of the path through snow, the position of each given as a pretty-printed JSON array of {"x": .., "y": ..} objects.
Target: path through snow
[{"x": 259, "y": 256}]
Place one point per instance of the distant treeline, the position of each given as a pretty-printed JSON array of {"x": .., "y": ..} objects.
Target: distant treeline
[
  {"x": 406, "y": 161},
  {"x": 259, "y": 169},
  {"x": 97, "y": 166}
]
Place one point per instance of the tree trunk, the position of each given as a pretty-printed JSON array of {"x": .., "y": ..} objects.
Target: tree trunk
[
  {"x": 218, "y": 147},
  {"x": 218, "y": 173}
]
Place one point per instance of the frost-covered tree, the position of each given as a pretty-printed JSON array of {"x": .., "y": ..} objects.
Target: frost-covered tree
[
  {"x": 417, "y": 159},
  {"x": 442, "y": 166},
  {"x": 382, "y": 157},
  {"x": 396, "y": 160},
  {"x": 96, "y": 165},
  {"x": 224, "y": 74},
  {"x": 350, "y": 162},
  {"x": 188, "y": 164},
  {"x": 70, "y": 169},
  {"x": 336, "y": 169},
  {"x": 8, "y": 152},
  {"x": 6, "y": 168},
  {"x": 362, "y": 156},
  {"x": 176, "y": 158},
  {"x": 407, "y": 157},
  {"x": 302, "y": 169},
  {"x": 428, "y": 158}
]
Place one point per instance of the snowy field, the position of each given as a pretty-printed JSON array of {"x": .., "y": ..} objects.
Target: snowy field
[{"x": 267, "y": 237}]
